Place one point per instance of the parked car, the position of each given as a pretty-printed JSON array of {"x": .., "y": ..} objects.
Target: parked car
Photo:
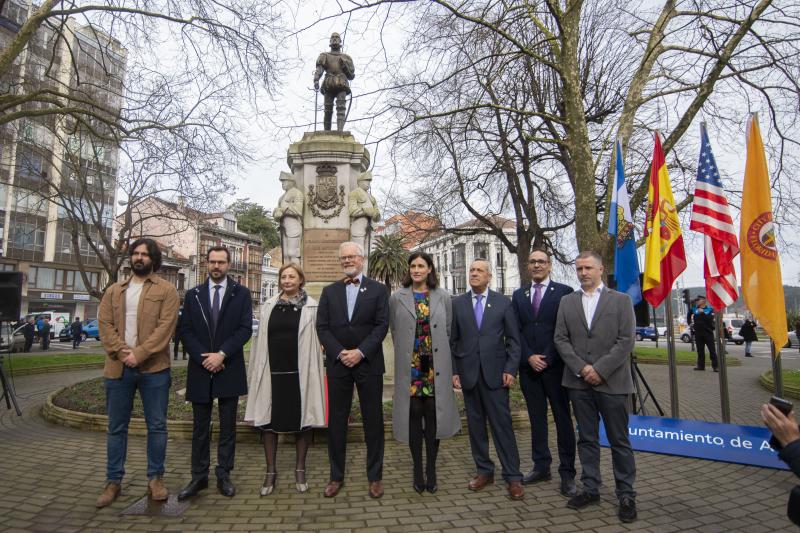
[
  {"x": 647, "y": 332},
  {"x": 90, "y": 330},
  {"x": 792, "y": 339},
  {"x": 732, "y": 327},
  {"x": 17, "y": 341}
]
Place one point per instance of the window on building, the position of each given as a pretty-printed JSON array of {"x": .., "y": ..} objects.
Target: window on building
[{"x": 481, "y": 250}]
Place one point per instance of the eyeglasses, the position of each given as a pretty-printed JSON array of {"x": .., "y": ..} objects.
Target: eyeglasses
[
  {"x": 538, "y": 261},
  {"x": 347, "y": 258}
]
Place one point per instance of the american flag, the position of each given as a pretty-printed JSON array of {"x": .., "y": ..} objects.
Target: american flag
[{"x": 711, "y": 216}]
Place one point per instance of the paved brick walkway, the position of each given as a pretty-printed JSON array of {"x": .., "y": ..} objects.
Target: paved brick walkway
[{"x": 50, "y": 476}]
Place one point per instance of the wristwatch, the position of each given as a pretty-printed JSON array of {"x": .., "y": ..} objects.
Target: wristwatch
[{"x": 224, "y": 355}]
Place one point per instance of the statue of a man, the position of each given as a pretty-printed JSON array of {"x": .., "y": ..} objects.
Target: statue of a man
[
  {"x": 338, "y": 68},
  {"x": 363, "y": 211},
  {"x": 289, "y": 215}
]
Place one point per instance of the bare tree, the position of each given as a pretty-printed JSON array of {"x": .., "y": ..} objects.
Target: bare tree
[
  {"x": 138, "y": 99},
  {"x": 575, "y": 76}
]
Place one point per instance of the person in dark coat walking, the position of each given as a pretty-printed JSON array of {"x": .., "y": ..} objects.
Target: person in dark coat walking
[
  {"x": 30, "y": 333},
  {"x": 76, "y": 332},
  {"x": 44, "y": 333},
  {"x": 748, "y": 333},
  {"x": 216, "y": 323}
]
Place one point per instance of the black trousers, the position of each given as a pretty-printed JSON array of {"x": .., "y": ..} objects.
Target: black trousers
[
  {"x": 701, "y": 341},
  {"x": 28, "y": 343},
  {"x": 201, "y": 437},
  {"x": 340, "y": 398},
  {"x": 538, "y": 390}
]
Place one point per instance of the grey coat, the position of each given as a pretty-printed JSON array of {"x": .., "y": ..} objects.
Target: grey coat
[
  {"x": 606, "y": 345},
  {"x": 403, "y": 322}
]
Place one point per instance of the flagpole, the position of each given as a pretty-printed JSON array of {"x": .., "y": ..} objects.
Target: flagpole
[
  {"x": 777, "y": 376},
  {"x": 673, "y": 370},
  {"x": 724, "y": 399}
]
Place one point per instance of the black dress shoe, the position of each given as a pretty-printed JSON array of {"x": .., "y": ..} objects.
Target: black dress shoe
[
  {"x": 568, "y": 488},
  {"x": 419, "y": 488},
  {"x": 583, "y": 499},
  {"x": 432, "y": 487},
  {"x": 536, "y": 476},
  {"x": 225, "y": 487},
  {"x": 627, "y": 510},
  {"x": 194, "y": 486}
]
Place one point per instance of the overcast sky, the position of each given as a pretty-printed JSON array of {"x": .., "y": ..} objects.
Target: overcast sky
[{"x": 295, "y": 108}]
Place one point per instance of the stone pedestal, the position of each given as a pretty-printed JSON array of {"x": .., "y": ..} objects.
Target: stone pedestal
[{"x": 325, "y": 166}]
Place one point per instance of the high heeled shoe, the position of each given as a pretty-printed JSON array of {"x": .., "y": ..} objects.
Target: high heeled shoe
[
  {"x": 267, "y": 488},
  {"x": 301, "y": 486}
]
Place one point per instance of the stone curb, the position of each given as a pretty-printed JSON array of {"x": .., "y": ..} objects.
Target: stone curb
[
  {"x": 56, "y": 368},
  {"x": 731, "y": 361},
  {"x": 766, "y": 381},
  {"x": 182, "y": 429}
]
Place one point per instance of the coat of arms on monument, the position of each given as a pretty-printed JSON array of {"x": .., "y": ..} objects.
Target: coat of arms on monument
[{"x": 323, "y": 196}]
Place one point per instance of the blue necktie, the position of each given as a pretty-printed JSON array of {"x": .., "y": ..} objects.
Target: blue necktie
[
  {"x": 537, "y": 298},
  {"x": 478, "y": 309},
  {"x": 215, "y": 307}
]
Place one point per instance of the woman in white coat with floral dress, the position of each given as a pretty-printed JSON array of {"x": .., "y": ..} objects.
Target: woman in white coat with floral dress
[{"x": 287, "y": 381}]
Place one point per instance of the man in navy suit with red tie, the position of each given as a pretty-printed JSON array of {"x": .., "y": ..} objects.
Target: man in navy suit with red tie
[
  {"x": 541, "y": 370},
  {"x": 352, "y": 320}
]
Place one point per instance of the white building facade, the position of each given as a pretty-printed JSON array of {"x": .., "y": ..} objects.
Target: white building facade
[{"x": 452, "y": 255}]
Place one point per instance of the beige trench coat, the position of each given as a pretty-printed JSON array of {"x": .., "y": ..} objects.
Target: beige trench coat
[
  {"x": 403, "y": 323},
  {"x": 310, "y": 366}
]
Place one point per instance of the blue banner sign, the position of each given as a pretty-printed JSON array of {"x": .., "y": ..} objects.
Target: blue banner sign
[{"x": 748, "y": 445}]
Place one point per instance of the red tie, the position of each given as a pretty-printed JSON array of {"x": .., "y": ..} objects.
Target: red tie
[{"x": 351, "y": 281}]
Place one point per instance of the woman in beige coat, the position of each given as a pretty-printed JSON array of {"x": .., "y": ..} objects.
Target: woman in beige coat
[
  {"x": 286, "y": 372},
  {"x": 424, "y": 405}
]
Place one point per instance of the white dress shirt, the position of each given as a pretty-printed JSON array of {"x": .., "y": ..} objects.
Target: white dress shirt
[
  {"x": 589, "y": 301},
  {"x": 351, "y": 291}
]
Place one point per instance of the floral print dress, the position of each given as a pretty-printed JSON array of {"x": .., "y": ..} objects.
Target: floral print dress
[{"x": 422, "y": 356}]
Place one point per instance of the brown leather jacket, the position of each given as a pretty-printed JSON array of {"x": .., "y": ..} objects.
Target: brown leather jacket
[{"x": 155, "y": 319}]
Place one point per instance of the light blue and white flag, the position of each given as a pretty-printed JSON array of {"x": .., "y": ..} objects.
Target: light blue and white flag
[{"x": 620, "y": 226}]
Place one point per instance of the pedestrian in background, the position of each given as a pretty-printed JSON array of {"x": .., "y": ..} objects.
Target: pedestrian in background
[
  {"x": 44, "y": 333},
  {"x": 748, "y": 333},
  {"x": 76, "y": 332}
]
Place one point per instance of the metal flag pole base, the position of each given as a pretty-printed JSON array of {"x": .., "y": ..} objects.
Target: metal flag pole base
[
  {"x": 777, "y": 372},
  {"x": 638, "y": 381},
  {"x": 671, "y": 360},
  {"x": 724, "y": 399}
]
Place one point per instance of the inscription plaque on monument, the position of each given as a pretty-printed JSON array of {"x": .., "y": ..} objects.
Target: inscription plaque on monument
[{"x": 321, "y": 253}]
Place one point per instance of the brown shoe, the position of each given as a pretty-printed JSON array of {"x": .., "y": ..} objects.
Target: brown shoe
[
  {"x": 109, "y": 494},
  {"x": 375, "y": 489},
  {"x": 480, "y": 481},
  {"x": 515, "y": 490},
  {"x": 333, "y": 488},
  {"x": 158, "y": 491}
]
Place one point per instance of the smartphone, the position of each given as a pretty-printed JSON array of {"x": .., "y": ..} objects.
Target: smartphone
[{"x": 784, "y": 406}]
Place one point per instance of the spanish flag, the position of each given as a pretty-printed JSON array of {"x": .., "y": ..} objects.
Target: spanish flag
[
  {"x": 762, "y": 286},
  {"x": 665, "y": 257}
]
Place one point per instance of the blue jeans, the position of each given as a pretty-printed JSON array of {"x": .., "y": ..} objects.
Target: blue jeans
[{"x": 154, "y": 391}]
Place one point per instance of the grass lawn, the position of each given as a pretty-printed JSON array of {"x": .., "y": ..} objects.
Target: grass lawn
[
  {"x": 89, "y": 397},
  {"x": 23, "y": 362},
  {"x": 646, "y": 355},
  {"x": 791, "y": 378}
]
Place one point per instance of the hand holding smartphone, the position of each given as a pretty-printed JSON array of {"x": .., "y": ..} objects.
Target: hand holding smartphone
[{"x": 783, "y": 405}]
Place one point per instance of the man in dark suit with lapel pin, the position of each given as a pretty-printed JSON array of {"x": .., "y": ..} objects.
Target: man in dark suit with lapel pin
[
  {"x": 541, "y": 369},
  {"x": 216, "y": 322},
  {"x": 485, "y": 348},
  {"x": 595, "y": 337},
  {"x": 352, "y": 320}
]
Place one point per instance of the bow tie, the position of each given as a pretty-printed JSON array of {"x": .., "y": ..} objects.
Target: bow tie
[{"x": 352, "y": 281}]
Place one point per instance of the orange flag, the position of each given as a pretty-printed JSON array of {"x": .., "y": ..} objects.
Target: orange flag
[
  {"x": 665, "y": 257},
  {"x": 762, "y": 286}
]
